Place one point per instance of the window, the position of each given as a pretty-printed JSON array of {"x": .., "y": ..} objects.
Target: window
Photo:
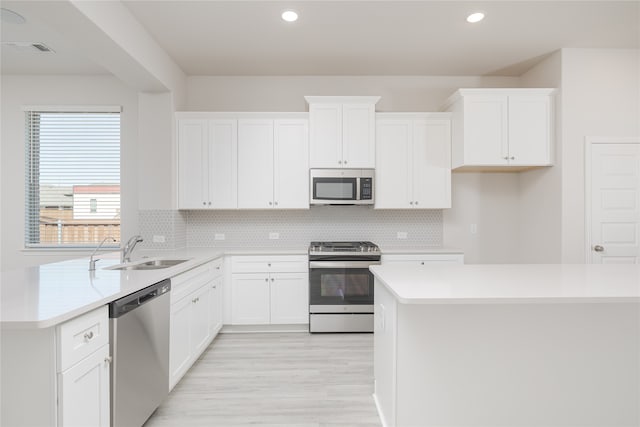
[{"x": 72, "y": 177}]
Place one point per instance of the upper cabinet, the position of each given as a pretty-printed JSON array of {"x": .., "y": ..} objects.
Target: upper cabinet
[
  {"x": 207, "y": 163},
  {"x": 273, "y": 166},
  {"x": 501, "y": 129},
  {"x": 413, "y": 162},
  {"x": 243, "y": 160},
  {"x": 342, "y": 131}
]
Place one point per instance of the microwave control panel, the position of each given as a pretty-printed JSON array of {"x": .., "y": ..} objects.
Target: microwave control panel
[{"x": 366, "y": 185}]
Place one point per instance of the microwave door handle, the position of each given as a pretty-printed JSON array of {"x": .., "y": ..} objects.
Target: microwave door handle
[
  {"x": 342, "y": 264},
  {"x": 357, "y": 188}
]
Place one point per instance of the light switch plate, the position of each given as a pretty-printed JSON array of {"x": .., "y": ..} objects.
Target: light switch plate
[
  {"x": 274, "y": 236},
  {"x": 402, "y": 235},
  {"x": 158, "y": 239}
]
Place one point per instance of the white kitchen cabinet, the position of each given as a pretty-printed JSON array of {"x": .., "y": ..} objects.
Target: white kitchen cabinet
[
  {"x": 216, "y": 297},
  {"x": 501, "y": 129},
  {"x": 57, "y": 376},
  {"x": 421, "y": 259},
  {"x": 342, "y": 131},
  {"x": 270, "y": 290},
  {"x": 207, "y": 163},
  {"x": 273, "y": 168},
  {"x": 84, "y": 391},
  {"x": 413, "y": 163},
  {"x": 191, "y": 317}
]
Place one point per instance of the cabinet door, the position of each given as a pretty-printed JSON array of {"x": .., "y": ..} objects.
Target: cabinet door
[
  {"x": 358, "y": 136},
  {"x": 250, "y": 299},
  {"x": 83, "y": 398},
  {"x": 393, "y": 180},
  {"x": 223, "y": 164},
  {"x": 485, "y": 130},
  {"x": 179, "y": 340},
  {"x": 291, "y": 164},
  {"x": 215, "y": 305},
  {"x": 289, "y": 298},
  {"x": 193, "y": 179},
  {"x": 530, "y": 130},
  {"x": 325, "y": 143},
  {"x": 431, "y": 164},
  {"x": 199, "y": 320},
  {"x": 255, "y": 164}
]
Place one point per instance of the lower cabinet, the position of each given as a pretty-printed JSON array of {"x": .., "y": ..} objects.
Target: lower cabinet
[
  {"x": 196, "y": 316},
  {"x": 84, "y": 391},
  {"x": 270, "y": 290},
  {"x": 57, "y": 376}
]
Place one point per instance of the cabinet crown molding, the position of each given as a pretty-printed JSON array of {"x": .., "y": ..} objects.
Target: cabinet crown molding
[
  {"x": 495, "y": 91},
  {"x": 342, "y": 99}
]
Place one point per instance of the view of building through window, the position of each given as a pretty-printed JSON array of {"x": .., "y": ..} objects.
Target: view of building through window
[{"x": 73, "y": 178}]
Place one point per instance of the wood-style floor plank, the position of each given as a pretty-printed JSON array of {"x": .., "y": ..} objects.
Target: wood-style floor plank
[{"x": 284, "y": 379}]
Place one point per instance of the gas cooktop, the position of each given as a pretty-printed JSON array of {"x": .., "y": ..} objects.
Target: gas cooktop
[{"x": 336, "y": 247}]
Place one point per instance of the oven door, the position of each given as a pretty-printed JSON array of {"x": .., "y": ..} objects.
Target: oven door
[{"x": 336, "y": 284}]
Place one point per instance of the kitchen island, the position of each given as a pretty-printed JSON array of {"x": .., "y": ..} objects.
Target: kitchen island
[{"x": 507, "y": 345}]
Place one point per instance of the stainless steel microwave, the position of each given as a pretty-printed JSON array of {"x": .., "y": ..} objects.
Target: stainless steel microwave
[{"x": 341, "y": 186}]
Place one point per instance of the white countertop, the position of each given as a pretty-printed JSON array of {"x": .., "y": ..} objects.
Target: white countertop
[
  {"x": 511, "y": 283},
  {"x": 393, "y": 250},
  {"x": 49, "y": 294}
]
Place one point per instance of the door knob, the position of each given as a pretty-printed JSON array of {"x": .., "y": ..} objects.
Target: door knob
[{"x": 598, "y": 248}]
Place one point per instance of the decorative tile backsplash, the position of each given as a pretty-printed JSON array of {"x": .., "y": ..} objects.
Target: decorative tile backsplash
[
  {"x": 170, "y": 224},
  {"x": 295, "y": 228}
]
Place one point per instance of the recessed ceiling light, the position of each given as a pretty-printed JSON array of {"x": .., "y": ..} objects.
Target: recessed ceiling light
[
  {"x": 289, "y": 16},
  {"x": 12, "y": 17},
  {"x": 475, "y": 17}
]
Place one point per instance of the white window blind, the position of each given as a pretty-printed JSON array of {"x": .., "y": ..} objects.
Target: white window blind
[{"x": 72, "y": 177}]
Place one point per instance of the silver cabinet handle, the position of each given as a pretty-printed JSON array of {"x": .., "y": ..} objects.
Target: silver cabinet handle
[
  {"x": 272, "y": 279},
  {"x": 209, "y": 203},
  {"x": 411, "y": 202},
  {"x": 88, "y": 336},
  {"x": 598, "y": 248},
  {"x": 214, "y": 286},
  {"x": 218, "y": 268},
  {"x": 108, "y": 359},
  {"x": 270, "y": 203},
  {"x": 339, "y": 162},
  {"x": 506, "y": 157},
  {"x": 416, "y": 202},
  {"x": 345, "y": 162},
  {"x": 269, "y": 264},
  {"x": 421, "y": 262},
  {"x": 512, "y": 158},
  {"x": 275, "y": 203},
  {"x": 266, "y": 279}
]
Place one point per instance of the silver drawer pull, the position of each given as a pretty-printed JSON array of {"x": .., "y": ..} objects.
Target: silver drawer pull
[{"x": 88, "y": 336}]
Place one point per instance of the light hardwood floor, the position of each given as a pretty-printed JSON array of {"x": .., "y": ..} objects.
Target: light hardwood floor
[{"x": 294, "y": 379}]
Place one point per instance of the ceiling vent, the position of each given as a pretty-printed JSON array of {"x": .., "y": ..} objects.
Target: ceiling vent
[{"x": 29, "y": 47}]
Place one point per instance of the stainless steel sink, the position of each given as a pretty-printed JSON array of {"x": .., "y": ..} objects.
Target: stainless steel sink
[{"x": 155, "y": 264}]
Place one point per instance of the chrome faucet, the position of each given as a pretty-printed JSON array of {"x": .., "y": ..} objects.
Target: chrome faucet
[
  {"x": 128, "y": 248},
  {"x": 92, "y": 262}
]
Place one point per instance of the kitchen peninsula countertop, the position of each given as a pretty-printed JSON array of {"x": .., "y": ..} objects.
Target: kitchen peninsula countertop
[{"x": 511, "y": 283}]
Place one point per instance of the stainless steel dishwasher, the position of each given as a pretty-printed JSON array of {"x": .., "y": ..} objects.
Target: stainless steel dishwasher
[{"x": 139, "y": 340}]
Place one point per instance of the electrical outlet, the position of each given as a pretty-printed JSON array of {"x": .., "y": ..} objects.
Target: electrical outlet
[
  {"x": 402, "y": 235},
  {"x": 158, "y": 239},
  {"x": 219, "y": 236},
  {"x": 274, "y": 236}
]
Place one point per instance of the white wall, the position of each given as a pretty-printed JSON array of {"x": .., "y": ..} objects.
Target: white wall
[
  {"x": 600, "y": 97},
  {"x": 540, "y": 190},
  {"x": 18, "y": 91},
  {"x": 488, "y": 200}
]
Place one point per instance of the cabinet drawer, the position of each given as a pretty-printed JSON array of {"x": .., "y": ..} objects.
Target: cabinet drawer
[
  {"x": 268, "y": 264},
  {"x": 423, "y": 259},
  {"x": 80, "y": 337},
  {"x": 185, "y": 283}
]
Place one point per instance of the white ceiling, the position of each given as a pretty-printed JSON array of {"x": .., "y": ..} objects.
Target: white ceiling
[{"x": 348, "y": 37}]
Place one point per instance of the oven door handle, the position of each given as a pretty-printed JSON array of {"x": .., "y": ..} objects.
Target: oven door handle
[{"x": 342, "y": 264}]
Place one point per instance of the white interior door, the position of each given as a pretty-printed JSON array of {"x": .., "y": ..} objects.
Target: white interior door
[{"x": 613, "y": 187}]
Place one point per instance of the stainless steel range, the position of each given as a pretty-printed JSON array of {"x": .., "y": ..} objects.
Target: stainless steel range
[{"x": 341, "y": 286}]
